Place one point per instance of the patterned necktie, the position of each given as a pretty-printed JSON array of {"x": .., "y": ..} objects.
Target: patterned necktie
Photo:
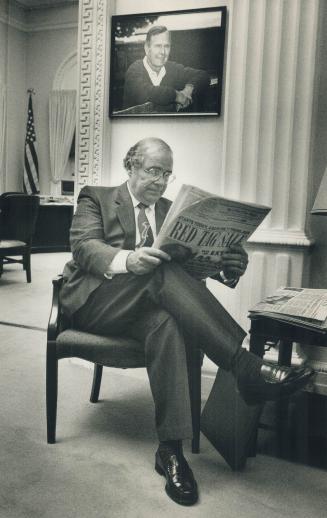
[{"x": 146, "y": 235}]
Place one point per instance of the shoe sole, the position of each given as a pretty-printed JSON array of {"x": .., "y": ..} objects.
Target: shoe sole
[{"x": 161, "y": 472}]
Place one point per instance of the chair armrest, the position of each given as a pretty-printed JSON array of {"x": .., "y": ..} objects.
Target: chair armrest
[{"x": 55, "y": 314}]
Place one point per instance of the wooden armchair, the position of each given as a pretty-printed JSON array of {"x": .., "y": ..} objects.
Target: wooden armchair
[{"x": 65, "y": 342}]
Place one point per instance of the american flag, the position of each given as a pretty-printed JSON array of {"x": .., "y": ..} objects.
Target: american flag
[{"x": 31, "y": 165}]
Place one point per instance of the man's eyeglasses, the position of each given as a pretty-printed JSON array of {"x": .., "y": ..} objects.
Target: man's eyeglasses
[{"x": 156, "y": 172}]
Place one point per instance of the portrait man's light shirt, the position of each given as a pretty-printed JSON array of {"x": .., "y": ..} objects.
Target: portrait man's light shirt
[{"x": 155, "y": 78}]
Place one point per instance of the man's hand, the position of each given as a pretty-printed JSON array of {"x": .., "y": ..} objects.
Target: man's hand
[
  {"x": 182, "y": 100},
  {"x": 184, "y": 97},
  {"x": 188, "y": 91},
  {"x": 234, "y": 262},
  {"x": 145, "y": 259}
]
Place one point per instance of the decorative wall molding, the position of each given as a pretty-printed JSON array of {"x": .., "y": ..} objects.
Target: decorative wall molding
[
  {"x": 84, "y": 125},
  {"x": 281, "y": 237},
  {"x": 67, "y": 64},
  {"x": 99, "y": 90},
  {"x": 92, "y": 70}
]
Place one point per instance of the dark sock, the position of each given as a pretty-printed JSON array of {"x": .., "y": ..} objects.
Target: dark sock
[
  {"x": 175, "y": 445},
  {"x": 246, "y": 366}
]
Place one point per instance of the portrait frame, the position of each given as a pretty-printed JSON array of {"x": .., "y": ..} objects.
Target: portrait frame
[{"x": 192, "y": 69}]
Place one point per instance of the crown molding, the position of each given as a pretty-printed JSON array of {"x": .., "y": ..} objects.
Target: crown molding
[
  {"x": 51, "y": 26},
  {"x": 11, "y": 20},
  {"x": 45, "y": 6},
  {"x": 29, "y": 28},
  {"x": 15, "y": 24},
  {"x": 281, "y": 237}
]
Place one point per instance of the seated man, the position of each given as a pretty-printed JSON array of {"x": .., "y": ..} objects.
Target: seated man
[
  {"x": 117, "y": 284},
  {"x": 168, "y": 85}
]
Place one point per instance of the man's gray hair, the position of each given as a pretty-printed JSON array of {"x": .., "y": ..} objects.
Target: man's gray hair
[
  {"x": 135, "y": 155},
  {"x": 153, "y": 31}
]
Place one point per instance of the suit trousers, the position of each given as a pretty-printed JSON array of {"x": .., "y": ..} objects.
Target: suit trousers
[{"x": 167, "y": 311}]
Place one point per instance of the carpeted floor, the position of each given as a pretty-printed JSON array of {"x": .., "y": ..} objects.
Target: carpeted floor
[{"x": 102, "y": 464}]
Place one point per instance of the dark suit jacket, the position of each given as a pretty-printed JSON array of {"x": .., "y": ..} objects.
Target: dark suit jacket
[{"x": 103, "y": 224}]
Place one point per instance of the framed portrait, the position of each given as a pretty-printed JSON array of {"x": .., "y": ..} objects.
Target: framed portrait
[{"x": 167, "y": 63}]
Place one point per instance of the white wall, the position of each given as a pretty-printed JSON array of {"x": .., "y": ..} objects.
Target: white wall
[
  {"x": 196, "y": 141},
  {"x": 16, "y": 108}
]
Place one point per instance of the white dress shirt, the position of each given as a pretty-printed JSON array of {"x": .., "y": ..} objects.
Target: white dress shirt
[{"x": 118, "y": 264}]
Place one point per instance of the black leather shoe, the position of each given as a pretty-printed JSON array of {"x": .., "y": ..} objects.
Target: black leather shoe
[
  {"x": 181, "y": 485},
  {"x": 274, "y": 382}
]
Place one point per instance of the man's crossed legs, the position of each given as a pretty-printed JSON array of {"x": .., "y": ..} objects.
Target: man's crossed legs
[{"x": 168, "y": 311}]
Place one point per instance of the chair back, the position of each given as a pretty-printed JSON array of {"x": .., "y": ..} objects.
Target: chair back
[
  {"x": 18, "y": 216},
  {"x": 10, "y": 193}
]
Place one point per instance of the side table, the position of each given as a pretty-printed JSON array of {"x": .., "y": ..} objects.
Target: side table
[
  {"x": 265, "y": 329},
  {"x": 52, "y": 227}
]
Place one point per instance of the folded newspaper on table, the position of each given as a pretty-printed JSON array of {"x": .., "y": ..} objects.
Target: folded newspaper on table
[
  {"x": 200, "y": 226},
  {"x": 303, "y": 306}
]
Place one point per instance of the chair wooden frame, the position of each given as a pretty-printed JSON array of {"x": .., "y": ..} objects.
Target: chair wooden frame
[
  {"x": 57, "y": 324},
  {"x": 15, "y": 241}
]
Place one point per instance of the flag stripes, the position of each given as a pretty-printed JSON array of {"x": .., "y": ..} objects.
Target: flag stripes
[{"x": 31, "y": 165}]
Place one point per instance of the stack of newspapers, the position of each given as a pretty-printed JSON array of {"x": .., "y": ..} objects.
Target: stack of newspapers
[{"x": 303, "y": 306}]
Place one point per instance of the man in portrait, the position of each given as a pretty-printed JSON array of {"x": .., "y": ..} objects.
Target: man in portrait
[{"x": 169, "y": 86}]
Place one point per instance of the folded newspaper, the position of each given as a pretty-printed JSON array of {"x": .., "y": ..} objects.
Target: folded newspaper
[
  {"x": 304, "y": 306},
  {"x": 200, "y": 226}
]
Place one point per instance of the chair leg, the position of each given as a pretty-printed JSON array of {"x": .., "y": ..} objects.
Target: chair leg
[
  {"x": 27, "y": 266},
  {"x": 194, "y": 369},
  {"x": 282, "y": 407},
  {"x": 257, "y": 346},
  {"x": 97, "y": 377},
  {"x": 51, "y": 396}
]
